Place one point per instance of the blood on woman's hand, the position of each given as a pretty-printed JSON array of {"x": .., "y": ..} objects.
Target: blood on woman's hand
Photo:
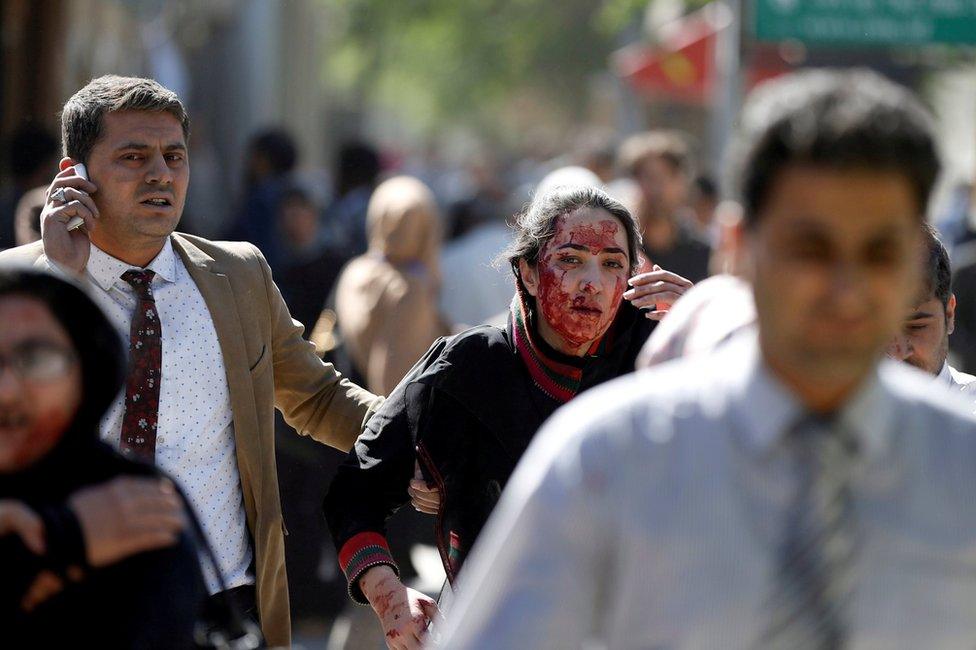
[{"x": 404, "y": 613}]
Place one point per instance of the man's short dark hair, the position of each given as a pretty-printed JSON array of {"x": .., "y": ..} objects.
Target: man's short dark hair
[
  {"x": 357, "y": 165},
  {"x": 277, "y": 147},
  {"x": 81, "y": 117},
  {"x": 839, "y": 120},
  {"x": 29, "y": 147},
  {"x": 938, "y": 276},
  {"x": 669, "y": 146}
]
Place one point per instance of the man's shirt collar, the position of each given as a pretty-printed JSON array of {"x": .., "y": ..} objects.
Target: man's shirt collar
[
  {"x": 106, "y": 271},
  {"x": 766, "y": 408},
  {"x": 945, "y": 375}
]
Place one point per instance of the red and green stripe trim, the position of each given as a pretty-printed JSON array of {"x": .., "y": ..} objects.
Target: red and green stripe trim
[
  {"x": 559, "y": 381},
  {"x": 360, "y": 552}
]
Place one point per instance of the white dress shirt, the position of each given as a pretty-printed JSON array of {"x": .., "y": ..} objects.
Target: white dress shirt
[
  {"x": 958, "y": 380},
  {"x": 195, "y": 431},
  {"x": 646, "y": 514},
  {"x": 708, "y": 314}
]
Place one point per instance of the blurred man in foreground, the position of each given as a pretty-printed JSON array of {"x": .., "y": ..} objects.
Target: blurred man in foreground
[{"x": 791, "y": 489}]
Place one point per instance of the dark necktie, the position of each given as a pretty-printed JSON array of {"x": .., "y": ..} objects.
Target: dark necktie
[
  {"x": 145, "y": 358},
  {"x": 814, "y": 580}
]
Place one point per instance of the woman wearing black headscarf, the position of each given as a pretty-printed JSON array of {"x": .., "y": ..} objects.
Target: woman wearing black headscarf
[{"x": 61, "y": 365}]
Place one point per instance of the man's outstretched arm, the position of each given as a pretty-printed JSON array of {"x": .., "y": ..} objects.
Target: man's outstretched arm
[{"x": 312, "y": 396}]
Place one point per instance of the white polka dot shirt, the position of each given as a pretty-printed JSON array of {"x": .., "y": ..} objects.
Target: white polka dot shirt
[{"x": 195, "y": 432}]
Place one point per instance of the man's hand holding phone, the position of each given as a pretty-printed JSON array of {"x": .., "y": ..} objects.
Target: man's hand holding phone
[{"x": 69, "y": 199}]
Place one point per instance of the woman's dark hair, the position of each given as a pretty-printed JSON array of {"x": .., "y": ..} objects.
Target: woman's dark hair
[
  {"x": 834, "y": 120},
  {"x": 95, "y": 341},
  {"x": 536, "y": 223}
]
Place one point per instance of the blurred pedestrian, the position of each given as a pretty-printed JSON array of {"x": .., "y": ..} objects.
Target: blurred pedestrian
[
  {"x": 957, "y": 222},
  {"x": 660, "y": 164},
  {"x": 707, "y": 316},
  {"x": 309, "y": 267},
  {"x": 386, "y": 299},
  {"x": 307, "y": 278},
  {"x": 95, "y": 561},
  {"x": 571, "y": 175},
  {"x": 924, "y": 339},
  {"x": 704, "y": 202},
  {"x": 596, "y": 150},
  {"x": 470, "y": 407},
  {"x": 27, "y": 216},
  {"x": 791, "y": 489},
  {"x": 31, "y": 156},
  {"x": 214, "y": 349},
  {"x": 357, "y": 170},
  {"x": 473, "y": 289},
  {"x": 963, "y": 251},
  {"x": 269, "y": 159}
]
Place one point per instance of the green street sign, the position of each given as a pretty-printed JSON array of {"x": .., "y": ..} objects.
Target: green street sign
[{"x": 866, "y": 22}]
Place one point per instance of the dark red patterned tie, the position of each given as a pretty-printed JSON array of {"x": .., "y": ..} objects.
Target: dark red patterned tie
[{"x": 146, "y": 360}]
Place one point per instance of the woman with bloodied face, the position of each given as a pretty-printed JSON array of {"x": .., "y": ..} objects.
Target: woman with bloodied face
[
  {"x": 468, "y": 409},
  {"x": 75, "y": 568}
]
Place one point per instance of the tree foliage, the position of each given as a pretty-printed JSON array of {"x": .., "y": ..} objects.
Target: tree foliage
[{"x": 442, "y": 62}]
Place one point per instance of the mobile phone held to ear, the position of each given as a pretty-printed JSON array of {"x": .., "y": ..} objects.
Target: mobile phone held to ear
[{"x": 77, "y": 222}]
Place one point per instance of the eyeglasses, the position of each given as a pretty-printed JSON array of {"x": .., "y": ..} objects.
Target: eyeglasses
[{"x": 38, "y": 361}]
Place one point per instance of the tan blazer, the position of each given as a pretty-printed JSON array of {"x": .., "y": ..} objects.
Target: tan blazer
[{"x": 268, "y": 365}]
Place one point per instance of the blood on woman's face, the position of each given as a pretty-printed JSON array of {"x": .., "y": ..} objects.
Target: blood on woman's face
[
  {"x": 579, "y": 279},
  {"x": 34, "y": 414}
]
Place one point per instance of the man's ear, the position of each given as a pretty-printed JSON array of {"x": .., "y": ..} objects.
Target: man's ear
[
  {"x": 951, "y": 314},
  {"x": 729, "y": 253},
  {"x": 530, "y": 277},
  {"x": 65, "y": 163},
  {"x": 739, "y": 243}
]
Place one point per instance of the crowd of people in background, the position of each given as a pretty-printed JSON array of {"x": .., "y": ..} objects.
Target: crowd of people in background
[
  {"x": 381, "y": 269},
  {"x": 308, "y": 241}
]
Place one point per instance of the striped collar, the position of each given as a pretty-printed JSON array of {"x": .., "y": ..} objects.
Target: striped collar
[{"x": 557, "y": 375}]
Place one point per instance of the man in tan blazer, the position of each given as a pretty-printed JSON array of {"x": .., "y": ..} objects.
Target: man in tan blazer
[{"x": 228, "y": 344}]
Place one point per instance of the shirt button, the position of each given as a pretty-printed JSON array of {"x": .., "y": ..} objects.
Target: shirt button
[{"x": 160, "y": 440}]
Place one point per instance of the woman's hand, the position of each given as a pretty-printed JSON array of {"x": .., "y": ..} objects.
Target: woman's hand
[
  {"x": 127, "y": 515},
  {"x": 45, "y": 585},
  {"x": 15, "y": 517},
  {"x": 404, "y": 613},
  {"x": 656, "y": 291}
]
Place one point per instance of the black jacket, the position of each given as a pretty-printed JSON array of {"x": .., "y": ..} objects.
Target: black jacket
[
  {"x": 466, "y": 411},
  {"x": 149, "y": 600}
]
